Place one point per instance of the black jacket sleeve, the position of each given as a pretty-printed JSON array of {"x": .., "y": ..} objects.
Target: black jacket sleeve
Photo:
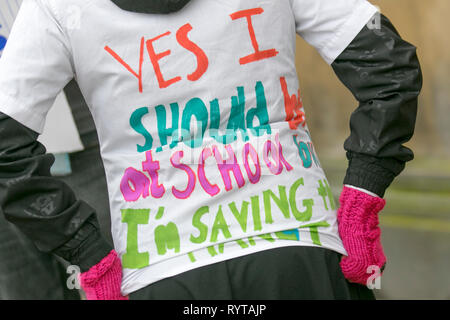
[
  {"x": 42, "y": 207},
  {"x": 383, "y": 73}
]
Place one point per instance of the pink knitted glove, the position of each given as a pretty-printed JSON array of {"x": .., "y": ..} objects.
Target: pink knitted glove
[
  {"x": 102, "y": 281},
  {"x": 360, "y": 234}
]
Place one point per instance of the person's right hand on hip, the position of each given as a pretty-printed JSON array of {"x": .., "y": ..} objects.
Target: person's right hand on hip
[{"x": 358, "y": 228}]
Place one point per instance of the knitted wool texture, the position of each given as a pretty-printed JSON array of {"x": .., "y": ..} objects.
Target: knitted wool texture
[
  {"x": 360, "y": 234},
  {"x": 103, "y": 281}
]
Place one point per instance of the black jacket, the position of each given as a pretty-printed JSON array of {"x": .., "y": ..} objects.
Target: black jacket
[
  {"x": 380, "y": 69},
  {"x": 383, "y": 73}
]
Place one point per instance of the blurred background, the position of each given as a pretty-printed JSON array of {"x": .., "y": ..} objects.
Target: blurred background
[{"x": 416, "y": 220}]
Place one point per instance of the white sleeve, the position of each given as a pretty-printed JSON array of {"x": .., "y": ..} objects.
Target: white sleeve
[
  {"x": 330, "y": 25},
  {"x": 35, "y": 65}
]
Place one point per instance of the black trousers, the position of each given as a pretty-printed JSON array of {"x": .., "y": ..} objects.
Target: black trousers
[{"x": 278, "y": 274}]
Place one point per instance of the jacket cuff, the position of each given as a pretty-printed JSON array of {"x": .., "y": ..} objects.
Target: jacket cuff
[
  {"x": 93, "y": 250},
  {"x": 87, "y": 247},
  {"x": 371, "y": 173}
]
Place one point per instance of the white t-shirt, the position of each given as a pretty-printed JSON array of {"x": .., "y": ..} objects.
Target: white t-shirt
[{"x": 201, "y": 124}]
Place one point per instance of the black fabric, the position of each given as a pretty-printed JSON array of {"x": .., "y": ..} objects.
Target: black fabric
[
  {"x": 151, "y": 6},
  {"x": 27, "y": 273},
  {"x": 87, "y": 247},
  {"x": 42, "y": 207},
  {"x": 81, "y": 115},
  {"x": 287, "y": 273},
  {"x": 383, "y": 73},
  {"x": 88, "y": 181}
]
